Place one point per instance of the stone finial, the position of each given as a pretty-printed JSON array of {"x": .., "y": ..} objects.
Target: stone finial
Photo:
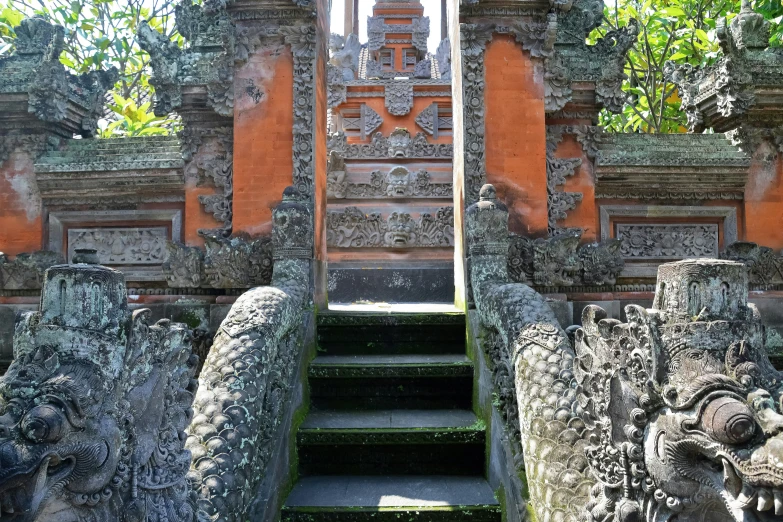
[
  {"x": 292, "y": 227},
  {"x": 87, "y": 256},
  {"x": 486, "y": 224},
  {"x": 750, "y": 29},
  {"x": 704, "y": 290}
]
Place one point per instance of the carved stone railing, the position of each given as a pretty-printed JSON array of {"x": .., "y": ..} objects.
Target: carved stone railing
[
  {"x": 244, "y": 385},
  {"x": 674, "y": 414},
  {"x": 528, "y": 345},
  {"x": 96, "y": 409}
]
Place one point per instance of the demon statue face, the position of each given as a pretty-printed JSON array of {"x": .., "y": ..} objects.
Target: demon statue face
[
  {"x": 683, "y": 404},
  {"x": 93, "y": 408}
]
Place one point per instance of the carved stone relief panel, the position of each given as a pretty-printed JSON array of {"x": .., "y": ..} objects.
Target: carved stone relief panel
[
  {"x": 640, "y": 241},
  {"x": 689, "y": 231},
  {"x": 399, "y": 182},
  {"x": 121, "y": 246},
  {"x": 399, "y": 98},
  {"x": 139, "y": 251},
  {"x": 399, "y": 144},
  {"x": 352, "y": 228}
]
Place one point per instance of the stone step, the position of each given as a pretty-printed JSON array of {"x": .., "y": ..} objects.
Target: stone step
[
  {"x": 431, "y": 498},
  {"x": 391, "y": 442},
  {"x": 391, "y": 333},
  {"x": 391, "y": 381}
]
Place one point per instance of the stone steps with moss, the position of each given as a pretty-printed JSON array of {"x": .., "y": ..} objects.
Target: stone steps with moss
[
  {"x": 356, "y": 498},
  {"x": 381, "y": 442},
  {"x": 391, "y": 381},
  {"x": 391, "y": 334},
  {"x": 391, "y": 434}
]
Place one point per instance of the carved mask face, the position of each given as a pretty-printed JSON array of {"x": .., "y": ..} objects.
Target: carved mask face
[
  {"x": 718, "y": 441},
  {"x": 401, "y": 230},
  {"x": 398, "y": 183},
  {"x": 53, "y": 442}
]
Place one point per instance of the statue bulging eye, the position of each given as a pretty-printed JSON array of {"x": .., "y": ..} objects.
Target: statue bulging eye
[
  {"x": 43, "y": 423},
  {"x": 729, "y": 421}
]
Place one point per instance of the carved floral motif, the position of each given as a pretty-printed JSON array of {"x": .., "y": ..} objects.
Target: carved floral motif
[
  {"x": 351, "y": 228},
  {"x": 399, "y": 97},
  {"x": 398, "y": 144},
  {"x": 667, "y": 241}
]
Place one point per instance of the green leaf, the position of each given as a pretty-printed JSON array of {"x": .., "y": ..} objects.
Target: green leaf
[{"x": 11, "y": 16}]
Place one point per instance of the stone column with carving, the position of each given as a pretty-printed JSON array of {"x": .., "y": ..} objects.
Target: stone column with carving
[
  {"x": 40, "y": 105},
  {"x": 525, "y": 66}
]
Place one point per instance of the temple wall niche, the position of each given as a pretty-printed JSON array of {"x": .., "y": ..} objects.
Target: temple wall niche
[{"x": 515, "y": 134}]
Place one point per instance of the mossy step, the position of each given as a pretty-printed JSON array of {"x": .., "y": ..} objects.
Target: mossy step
[
  {"x": 354, "y": 319},
  {"x": 391, "y": 499},
  {"x": 390, "y": 366}
]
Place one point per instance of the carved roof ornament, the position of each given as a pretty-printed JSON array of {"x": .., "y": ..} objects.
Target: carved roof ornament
[
  {"x": 72, "y": 104},
  {"x": 725, "y": 96},
  {"x": 600, "y": 66},
  {"x": 443, "y": 59},
  {"x": 208, "y": 60}
]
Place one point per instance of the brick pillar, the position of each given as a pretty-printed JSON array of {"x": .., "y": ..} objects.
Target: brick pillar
[{"x": 280, "y": 116}]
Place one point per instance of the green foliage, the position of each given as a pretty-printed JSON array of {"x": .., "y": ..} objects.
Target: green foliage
[
  {"x": 100, "y": 34},
  {"x": 681, "y": 31}
]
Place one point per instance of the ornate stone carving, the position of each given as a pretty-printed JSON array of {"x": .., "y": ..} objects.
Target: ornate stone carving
[
  {"x": 557, "y": 170},
  {"x": 73, "y": 103},
  {"x": 724, "y": 95},
  {"x": 399, "y": 98},
  {"x": 399, "y": 144},
  {"x": 184, "y": 267},
  {"x": 345, "y": 55},
  {"x": 351, "y": 228},
  {"x": 373, "y": 69},
  {"x": 666, "y": 416},
  {"x": 423, "y": 70},
  {"x": 559, "y": 261},
  {"x": 336, "y": 92},
  {"x": 536, "y": 37},
  {"x": 95, "y": 396},
  {"x": 302, "y": 41},
  {"x": 421, "y": 31},
  {"x": 372, "y": 120},
  {"x": 220, "y": 169},
  {"x": 397, "y": 183},
  {"x": 641, "y": 241},
  {"x": 238, "y": 262},
  {"x": 336, "y": 182},
  {"x": 686, "y": 391},
  {"x": 26, "y": 271},
  {"x": 164, "y": 60},
  {"x": 121, "y": 246},
  {"x": 376, "y": 33},
  {"x": 764, "y": 265},
  {"x": 443, "y": 59},
  {"x": 427, "y": 119},
  {"x": 473, "y": 41}
]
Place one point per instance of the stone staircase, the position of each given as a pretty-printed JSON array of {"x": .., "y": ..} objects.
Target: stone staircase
[{"x": 390, "y": 434}]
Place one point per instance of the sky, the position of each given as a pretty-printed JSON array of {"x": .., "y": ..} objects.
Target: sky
[{"x": 431, "y": 9}]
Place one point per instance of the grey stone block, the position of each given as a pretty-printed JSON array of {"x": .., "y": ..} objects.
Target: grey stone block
[{"x": 612, "y": 309}]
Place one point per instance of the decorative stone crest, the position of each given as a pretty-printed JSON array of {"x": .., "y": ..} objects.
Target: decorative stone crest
[
  {"x": 73, "y": 103},
  {"x": 351, "y": 228},
  {"x": 764, "y": 265},
  {"x": 399, "y": 97},
  {"x": 423, "y": 70}
]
